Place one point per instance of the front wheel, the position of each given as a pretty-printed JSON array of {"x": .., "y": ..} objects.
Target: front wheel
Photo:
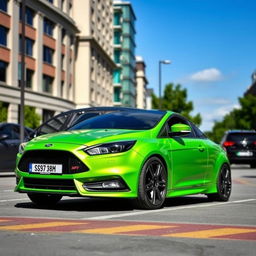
[
  {"x": 44, "y": 200},
  {"x": 152, "y": 184},
  {"x": 224, "y": 184}
]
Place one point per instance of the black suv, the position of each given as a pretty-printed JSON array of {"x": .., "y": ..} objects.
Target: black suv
[{"x": 240, "y": 147}]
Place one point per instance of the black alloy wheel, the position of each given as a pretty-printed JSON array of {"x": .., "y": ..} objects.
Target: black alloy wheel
[
  {"x": 224, "y": 185},
  {"x": 44, "y": 200},
  {"x": 152, "y": 184}
]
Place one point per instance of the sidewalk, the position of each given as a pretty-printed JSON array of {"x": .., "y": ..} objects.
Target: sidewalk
[{"x": 7, "y": 174}]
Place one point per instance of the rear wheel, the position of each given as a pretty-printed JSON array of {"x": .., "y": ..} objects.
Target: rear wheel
[
  {"x": 152, "y": 184},
  {"x": 44, "y": 200},
  {"x": 224, "y": 184}
]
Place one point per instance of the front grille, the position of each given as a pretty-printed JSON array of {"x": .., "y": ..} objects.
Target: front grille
[
  {"x": 70, "y": 163},
  {"x": 55, "y": 184}
]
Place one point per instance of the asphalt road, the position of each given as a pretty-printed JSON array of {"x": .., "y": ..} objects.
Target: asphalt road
[{"x": 81, "y": 226}]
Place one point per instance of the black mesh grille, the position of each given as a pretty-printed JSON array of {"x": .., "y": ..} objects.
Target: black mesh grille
[
  {"x": 70, "y": 163},
  {"x": 49, "y": 184}
]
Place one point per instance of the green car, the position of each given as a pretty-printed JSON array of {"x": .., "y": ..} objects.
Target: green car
[{"x": 147, "y": 155}]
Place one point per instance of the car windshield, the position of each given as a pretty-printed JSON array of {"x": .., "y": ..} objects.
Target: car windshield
[
  {"x": 131, "y": 120},
  {"x": 242, "y": 136}
]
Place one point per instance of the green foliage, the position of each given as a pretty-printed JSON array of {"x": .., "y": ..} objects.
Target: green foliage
[
  {"x": 32, "y": 119},
  {"x": 243, "y": 118},
  {"x": 3, "y": 111},
  {"x": 175, "y": 99}
]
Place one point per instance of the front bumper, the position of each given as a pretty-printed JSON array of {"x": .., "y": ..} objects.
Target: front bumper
[{"x": 124, "y": 167}]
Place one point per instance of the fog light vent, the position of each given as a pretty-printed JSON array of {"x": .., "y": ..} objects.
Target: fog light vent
[{"x": 106, "y": 185}]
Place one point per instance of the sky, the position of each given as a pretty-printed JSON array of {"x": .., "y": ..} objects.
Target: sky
[{"x": 212, "y": 46}]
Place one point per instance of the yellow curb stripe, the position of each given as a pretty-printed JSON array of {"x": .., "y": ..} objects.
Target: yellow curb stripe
[
  {"x": 213, "y": 233},
  {"x": 121, "y": 229},
  {"x": 39, "y": 225}
]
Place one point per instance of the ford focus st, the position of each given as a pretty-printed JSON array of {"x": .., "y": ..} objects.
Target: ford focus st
[{"x": 140, "y": 154}]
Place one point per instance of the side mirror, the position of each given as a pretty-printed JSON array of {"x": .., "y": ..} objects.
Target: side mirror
[
  {"x": 180, "y": 130},
  {"x": 4, "y": 136}
]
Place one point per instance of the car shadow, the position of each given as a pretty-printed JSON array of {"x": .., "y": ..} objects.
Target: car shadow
[{"x": 110, "y": 205}]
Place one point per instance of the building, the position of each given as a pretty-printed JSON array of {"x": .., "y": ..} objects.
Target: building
[
  {"x": 94, "y": 62},
  {"x": 68, "y": 55},
  {"x": 124, "y": 54},
  {"x": 141, "y": 83},
  {"x": 149, "y": 93},
  {"x": 252, "y": 87}
]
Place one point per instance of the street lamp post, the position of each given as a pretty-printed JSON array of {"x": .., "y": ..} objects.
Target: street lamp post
[
  {"x": 23, "y": 71},
  {"x": 160, "y": 80}
]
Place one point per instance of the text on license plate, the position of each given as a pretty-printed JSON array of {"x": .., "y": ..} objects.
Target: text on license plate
[
  {"x": 245, "y": 153},
  {"x": 45, "y": 168}
]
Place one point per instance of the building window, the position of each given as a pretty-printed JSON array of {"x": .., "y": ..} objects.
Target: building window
[
  {"x": 28, "y": 46},
  {"x": 50, "y": 1},
  {"x": 117, "y": 37},
  {"x": 117, "y": 76},
  {"x": 62, "y": 61},
  {"x": 63, "y": 34},
  {"x": 29, "y": 16},
  {"x": 3, "y": 35},
  {"x": 3, "y": 69},
  {"x": 29, "y": 78},
  {"x": 117, "y": 56},
  {"x": 48, "y": 27},
  {"x": 3, "y": 5},
  {"x": 117, "y": 18},
  {"x": 62, "y": 89},
  {"x": 47, "y": 83},
  {"x": 117, "y": 94},
  {"x": 48, "y": 55}
]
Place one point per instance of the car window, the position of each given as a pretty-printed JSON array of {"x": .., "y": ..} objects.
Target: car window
[
  {"x": 5, "y": 129},
  {"x": 15, "y": 132},
  {"x": 198, "y": 132},
  {"x": 131, "y": 120},
  {"x": 53, "y": 125},
  {"x": 241, "y": 136}
]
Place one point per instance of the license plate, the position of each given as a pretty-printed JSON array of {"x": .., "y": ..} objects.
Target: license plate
[
  {"x": 245, "y": 153},
  {"x": 45, "y": 168}
]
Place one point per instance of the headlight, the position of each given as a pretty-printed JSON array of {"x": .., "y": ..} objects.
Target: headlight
[
  {"x": 22, "y": 147},
  {"x": 110, "y": 148}
]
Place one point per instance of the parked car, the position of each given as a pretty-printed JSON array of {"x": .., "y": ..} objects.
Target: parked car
[
  {"x": 240, "y": 146},
  {"x": 9, "y": 145},
  {"x": 130, "y": 153}
]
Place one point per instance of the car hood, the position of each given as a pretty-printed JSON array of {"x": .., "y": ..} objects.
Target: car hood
[{"x": 88, "y": 137}]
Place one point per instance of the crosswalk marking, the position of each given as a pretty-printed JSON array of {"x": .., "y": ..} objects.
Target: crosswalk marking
[
  {"x": 39, "y": 225},
  {"x": 122, "y": 229},
  {"x": 209, "y": 233}
]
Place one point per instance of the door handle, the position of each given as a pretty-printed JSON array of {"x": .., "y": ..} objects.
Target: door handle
[{"x": 201, "y": 148}]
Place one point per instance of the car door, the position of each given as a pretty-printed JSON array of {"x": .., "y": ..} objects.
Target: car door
[
  {"x": 9, "y": 147},
  {"x": 189, "y": 158}
]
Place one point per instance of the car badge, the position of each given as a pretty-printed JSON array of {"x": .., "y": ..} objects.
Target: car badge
[
  {"x": 244, "y": 143},
  {"x": 48, "y": 145}
]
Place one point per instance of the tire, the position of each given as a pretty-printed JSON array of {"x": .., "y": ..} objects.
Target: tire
[
  {"x": 224, "y": 185},
  {"x": 44, "y": 200},
  {"x": 152, "y": 185},
  {"x": 253, "y": 165}
]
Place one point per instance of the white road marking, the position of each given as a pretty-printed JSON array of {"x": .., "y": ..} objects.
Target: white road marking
[
  {"x": 11, "y": 200},
  {"x": 104, "y": 217}
]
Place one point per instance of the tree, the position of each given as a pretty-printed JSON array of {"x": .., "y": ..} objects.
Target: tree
[
  {"x": 175, "y": 99},
  {"x": 243, "y": 118},
  {"x": 3, "y": 111},
  {"x": 32, "y": 119}
]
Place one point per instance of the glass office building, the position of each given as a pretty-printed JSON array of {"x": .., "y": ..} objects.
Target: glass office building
[{"x": 124, "y": 54}]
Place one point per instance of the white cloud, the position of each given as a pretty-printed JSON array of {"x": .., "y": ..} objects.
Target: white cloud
[
  {"x": 216, "y": 115},
  {"x": 207, "y": 75},
  {"x": 214, "y": 101}
]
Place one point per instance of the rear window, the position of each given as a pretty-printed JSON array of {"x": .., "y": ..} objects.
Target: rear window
[
  {"x": 241, "y": 136},
  {"x": 138, "y": 120}
]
